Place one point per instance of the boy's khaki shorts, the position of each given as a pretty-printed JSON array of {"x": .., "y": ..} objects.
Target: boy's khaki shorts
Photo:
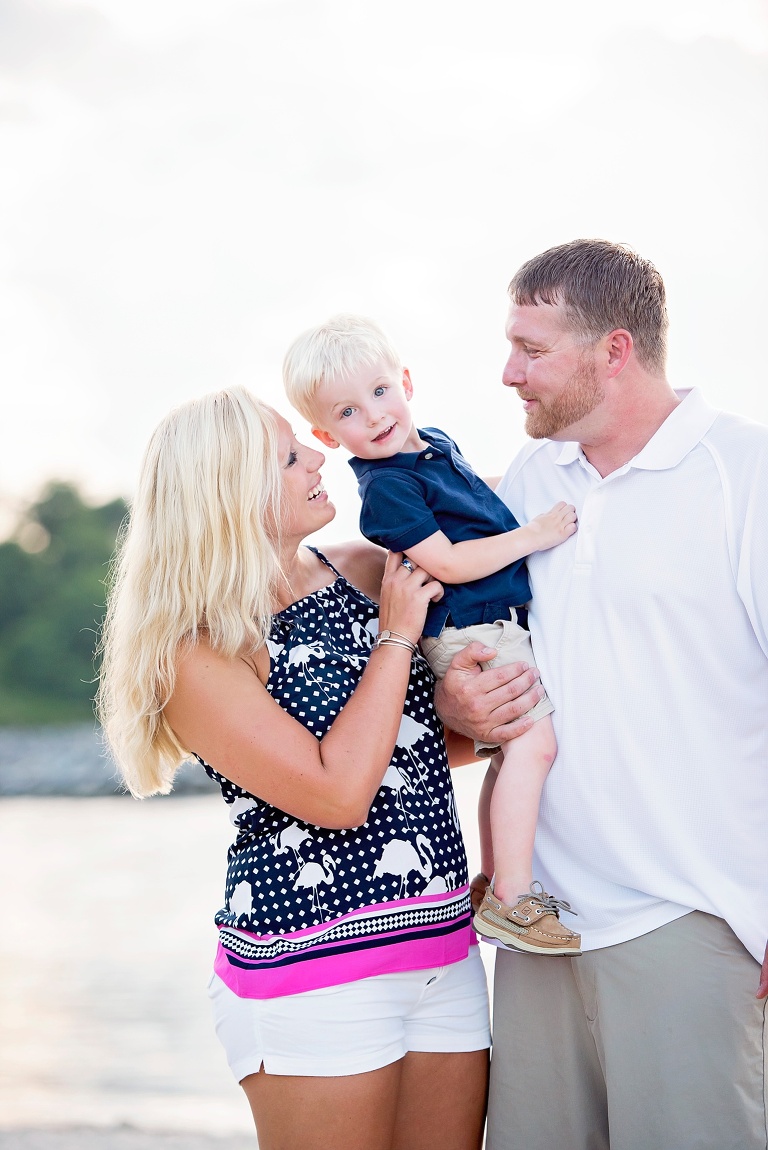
[{"x": 512, "y": 643}]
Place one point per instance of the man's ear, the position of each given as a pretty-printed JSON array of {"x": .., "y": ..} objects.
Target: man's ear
[
  {"x": 326, "y": 439},
  {"x": 618, "y": 345},
  {"x": 407, "y": 385}
]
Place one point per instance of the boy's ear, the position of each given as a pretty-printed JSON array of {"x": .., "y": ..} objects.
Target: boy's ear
[
  {"x": 324, "y": 437},
  {"x": 407, "y": 385}
]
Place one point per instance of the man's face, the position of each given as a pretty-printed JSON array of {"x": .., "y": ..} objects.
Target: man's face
[{"x": 553, "y": 370}]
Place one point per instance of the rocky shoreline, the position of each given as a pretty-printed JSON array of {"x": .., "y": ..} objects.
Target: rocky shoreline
[{"x": 70, "y": 760}]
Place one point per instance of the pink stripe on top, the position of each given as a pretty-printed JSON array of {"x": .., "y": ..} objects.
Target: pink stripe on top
[{"x": 409, "y": 934}]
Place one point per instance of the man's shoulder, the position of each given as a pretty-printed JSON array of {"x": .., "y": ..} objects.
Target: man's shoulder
[
  {"x": 738, "y": 448},
  {"x": 534, "y": 455},
  {"x": 735, "y": 434}
]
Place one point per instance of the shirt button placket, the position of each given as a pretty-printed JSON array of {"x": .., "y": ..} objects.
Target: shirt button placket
[{"x": 589, "y": 525}]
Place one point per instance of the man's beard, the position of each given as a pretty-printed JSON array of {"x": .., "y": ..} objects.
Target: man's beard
[{"x": 581, "y": 395}]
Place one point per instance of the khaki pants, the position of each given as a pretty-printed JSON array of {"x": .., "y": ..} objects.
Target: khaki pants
[
  {"x": 512, "y": 643},
  {"x": 655, "y": 1044}
]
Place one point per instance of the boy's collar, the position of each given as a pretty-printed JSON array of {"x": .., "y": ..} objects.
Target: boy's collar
[{"x": 404, "y": 459}]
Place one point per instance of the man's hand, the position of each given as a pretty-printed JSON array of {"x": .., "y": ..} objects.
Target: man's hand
[
  {"x": 762, "y": 990},
  {"x": 487, "y": 705}
]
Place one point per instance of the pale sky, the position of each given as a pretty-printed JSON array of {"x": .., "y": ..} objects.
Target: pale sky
[{"x": 187, "y": 184}]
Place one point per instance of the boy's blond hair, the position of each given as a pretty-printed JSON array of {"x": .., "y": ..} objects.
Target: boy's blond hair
[{"x": 333, "y": 350}]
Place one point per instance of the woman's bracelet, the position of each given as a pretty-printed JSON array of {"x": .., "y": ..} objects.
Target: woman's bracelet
[{"x": 396, "y": 639}]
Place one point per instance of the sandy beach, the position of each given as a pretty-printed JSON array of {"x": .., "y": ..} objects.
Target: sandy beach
[{"x": 118, "y": 1138}]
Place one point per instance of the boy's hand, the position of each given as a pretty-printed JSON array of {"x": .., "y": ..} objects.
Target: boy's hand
[{"x": 553, "y": 526}]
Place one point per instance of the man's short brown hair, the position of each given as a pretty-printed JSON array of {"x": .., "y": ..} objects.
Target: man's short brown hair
[{"x": 603, "y": 286}]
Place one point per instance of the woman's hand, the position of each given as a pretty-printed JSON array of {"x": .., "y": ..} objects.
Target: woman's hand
[
  {"x": 221, "y": 708},
  {"x": 406, "y": 592}
]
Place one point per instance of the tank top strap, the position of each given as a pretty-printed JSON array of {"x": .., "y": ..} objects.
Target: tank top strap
[{"x": 327, "y": 562}]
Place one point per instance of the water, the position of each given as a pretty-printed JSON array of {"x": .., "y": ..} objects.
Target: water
[{"x": 106, "y": 948}]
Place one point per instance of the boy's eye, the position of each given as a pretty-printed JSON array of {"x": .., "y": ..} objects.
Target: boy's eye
[
  {"x": 345, "y": 414},
  {"x": 379, "y": 390}
]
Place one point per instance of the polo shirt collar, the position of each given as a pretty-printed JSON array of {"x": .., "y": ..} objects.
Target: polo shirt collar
[
  {"x": 404, "y": 459},
  {"x": 680, "y": 432}
]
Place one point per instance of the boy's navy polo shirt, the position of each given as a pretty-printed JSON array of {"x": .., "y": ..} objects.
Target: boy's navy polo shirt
[{"x": 413, "y": 494}]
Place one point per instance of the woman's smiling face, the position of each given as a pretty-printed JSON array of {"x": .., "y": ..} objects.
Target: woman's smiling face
[{"x": 305, "y": 506}]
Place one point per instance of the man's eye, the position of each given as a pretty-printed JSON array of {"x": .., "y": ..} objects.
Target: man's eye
[
  {"x": 379, "y": 390},
  {"x": 347, "y": 412}
]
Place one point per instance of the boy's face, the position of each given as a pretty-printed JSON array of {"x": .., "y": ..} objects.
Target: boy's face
[{"x": 367, "y": 413}]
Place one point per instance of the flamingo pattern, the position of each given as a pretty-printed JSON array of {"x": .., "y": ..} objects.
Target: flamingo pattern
[
  {"x": 312, "y": 875},
  {"x": 401, "y": 858},
  {"x": 300, "y": 656},
  {"x": 287, "y": 878},
  {"x": 409, "y": 734},
  {"x": 291, "y": 838},
  {"x": 398, "y": 781}
]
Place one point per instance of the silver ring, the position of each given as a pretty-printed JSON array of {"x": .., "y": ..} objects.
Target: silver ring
[{"x": 407, "y": 563}]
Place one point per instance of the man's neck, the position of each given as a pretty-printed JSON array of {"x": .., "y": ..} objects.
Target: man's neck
[{"x": 627, "y": 431}]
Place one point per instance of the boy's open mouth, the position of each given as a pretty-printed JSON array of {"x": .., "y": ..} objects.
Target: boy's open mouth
[{"x": 387, "y": 431}]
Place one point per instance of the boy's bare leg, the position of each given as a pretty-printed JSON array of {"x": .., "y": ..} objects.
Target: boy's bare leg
[
  {"x": 484, "y": 814},
  {"x": 514, "y": 808}
]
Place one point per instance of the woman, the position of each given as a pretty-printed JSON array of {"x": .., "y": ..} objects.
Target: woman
[{"x": 346, "y": 993}]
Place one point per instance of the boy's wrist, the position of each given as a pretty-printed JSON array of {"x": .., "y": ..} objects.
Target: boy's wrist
[{"x": 529, "y": 537}]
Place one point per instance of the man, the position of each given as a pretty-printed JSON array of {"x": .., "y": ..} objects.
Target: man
[{"x": 650, "y": 629}]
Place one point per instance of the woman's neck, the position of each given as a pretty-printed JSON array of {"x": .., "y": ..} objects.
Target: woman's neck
[{"x": 303, "y": 573}]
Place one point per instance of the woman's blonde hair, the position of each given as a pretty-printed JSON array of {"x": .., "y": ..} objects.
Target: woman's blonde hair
[{"x": 199, "y": 552}]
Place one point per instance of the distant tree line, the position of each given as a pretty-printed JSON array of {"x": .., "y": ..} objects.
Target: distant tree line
[{"x": 52, "y": 575}]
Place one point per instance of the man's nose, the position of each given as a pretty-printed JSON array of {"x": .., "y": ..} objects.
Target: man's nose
[{"x": 513, "y": 374}]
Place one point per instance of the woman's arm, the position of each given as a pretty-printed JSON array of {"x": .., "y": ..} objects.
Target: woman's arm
[{"x": 221, "y": 709}]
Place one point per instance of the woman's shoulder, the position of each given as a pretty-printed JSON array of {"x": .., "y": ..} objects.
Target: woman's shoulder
[
  {"x": 361, "y": 563},
  {"x": 201, "y": 662}
]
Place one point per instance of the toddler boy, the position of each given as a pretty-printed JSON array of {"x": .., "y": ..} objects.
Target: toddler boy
[{"x": 420, "y": 496}]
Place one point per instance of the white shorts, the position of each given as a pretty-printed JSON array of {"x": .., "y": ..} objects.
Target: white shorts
[{"x": 358, "y": 1026}]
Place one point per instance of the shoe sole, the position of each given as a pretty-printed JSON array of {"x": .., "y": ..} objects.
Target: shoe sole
[{"x": 514, "y": 943}]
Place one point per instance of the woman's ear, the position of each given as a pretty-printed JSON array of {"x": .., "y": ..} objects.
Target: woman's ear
[{"x": 324, "y": 437}]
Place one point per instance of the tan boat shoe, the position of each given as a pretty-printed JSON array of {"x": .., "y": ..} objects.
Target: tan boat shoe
[{"x": 532, "y": 925}]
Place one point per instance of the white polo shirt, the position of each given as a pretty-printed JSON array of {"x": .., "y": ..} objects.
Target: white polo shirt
[{"x": 650, "y": 628}]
